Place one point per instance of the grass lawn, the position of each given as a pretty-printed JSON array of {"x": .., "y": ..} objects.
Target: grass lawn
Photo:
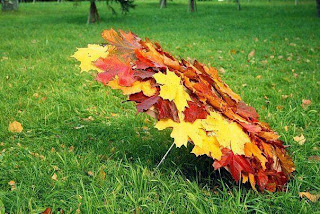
[{"x": 103, "y": 154}]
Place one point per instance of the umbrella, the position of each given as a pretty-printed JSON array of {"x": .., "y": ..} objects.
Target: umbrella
[{"x": 191, "y": 99}]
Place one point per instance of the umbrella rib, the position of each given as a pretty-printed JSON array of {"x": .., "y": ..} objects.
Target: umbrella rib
[{"x": 165, "y": 155}]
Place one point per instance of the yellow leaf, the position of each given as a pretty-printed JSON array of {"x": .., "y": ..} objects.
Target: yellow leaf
[
  {"x": 54, "y": 177},
  {"x": 252, "y": 149},
  {"x": 172, "y": 89},
  {"x": 136, "y": 87},
  {"x": 88, "y": 55},
  {"x": 300, "y": 139},
  {"x": 252, "y": 181},
  {"x": 15, "y": 127},
  {"x": 182, "y": 131},
  {"x": 209, "y": 146},
  {"x": 311, "y": 197},
  {"x": 229, "y": 134}
]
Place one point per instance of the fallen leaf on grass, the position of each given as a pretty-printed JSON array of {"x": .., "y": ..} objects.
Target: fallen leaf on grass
[
  {"x": 12, "y": 185},
  {"x": 308, "y": 195},
  {"x": 314, "y": 158},
  {"x": 101, "y": 176},
  {"x": 15, "y": 127},
  {"x": 300, "y": 139},
  {"x": 47, "y": 211},
  {"x": 306, "y": 103},
  {"x": 54, "y": 177},
  {"x": 252, "y": 53}
]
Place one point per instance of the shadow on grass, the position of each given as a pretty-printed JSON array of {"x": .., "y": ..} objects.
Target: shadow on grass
[{"x": 127, "y": 141}]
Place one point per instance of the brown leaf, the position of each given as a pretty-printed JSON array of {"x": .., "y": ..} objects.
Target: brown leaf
[
  {"x": 314, "y": 158},
  {"x": 15, "y": 127},
  {"x": 308, "y": 195},
  {"x": 306, "y": 103},
  {"x": 252, "y": 53}
]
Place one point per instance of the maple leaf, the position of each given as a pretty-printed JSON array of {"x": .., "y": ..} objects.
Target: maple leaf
[
  {"x": 172, "y": 89},
  {"x": 209, "y": 146},
  {"x": 15, "y": 127},
  {"x": 236, "y": 163},
  {"x": 182, "y": 131},
  {"x": 88, "y": 55},
  {"x": 246, "y": 111},
  {"x": 114, "y": 66},
  {"x": 194, "y": 112},
  {"x": 124, "y": 42},
  {"x": 136, "y": 87},
  {"x": 286, "y": 162},
  {"x": 252, "y": 149},
  {"x": 167, "y": 110},
  {"x": 229, "y": 134}
]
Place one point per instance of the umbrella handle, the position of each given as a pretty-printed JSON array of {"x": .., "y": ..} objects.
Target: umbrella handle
[{"x": 165, "y": 155}]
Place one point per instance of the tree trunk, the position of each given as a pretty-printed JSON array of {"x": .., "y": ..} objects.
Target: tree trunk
[
  {"x": 163, "y": 3},
  {"x": 93, "y": 13},
  {"x": 9, "y": 5},
  {"x": 34, "y": 1},
  {"x": 192, "y": 5},
  {"x": 318, "y": 7},
  {"x": 295, "y": 2},
  {"x": 238, "y": 5}
]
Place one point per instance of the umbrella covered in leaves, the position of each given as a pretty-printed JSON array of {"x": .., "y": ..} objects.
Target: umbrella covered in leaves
[{"x": 191, "y": 99}]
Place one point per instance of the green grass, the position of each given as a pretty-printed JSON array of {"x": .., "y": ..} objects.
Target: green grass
[{"x": 41, "y": 87}]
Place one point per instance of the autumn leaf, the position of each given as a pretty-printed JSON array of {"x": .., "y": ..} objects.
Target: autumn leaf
[
  {"x": 312, "y": 197},
  {"x": 182, "y": 131},
  {"x": 88, "y": 55},
  {"x": 306, "y": 103},
  {"x": 236, "y": 163},
  {"x": 54, "y": 177},
  {"x": 194, "y": 112},
  {"x": 300, "y": 139},
  {"x": 229, "y": 134},
  {"x": 15, "y": 127},
  {"x": 145, "y": 87},
  {"x": 172, "y": 89},
  {"x": 113, "y": 66},
  {"x": 252, "y": 149},
  {"x": 252, "y": 53},
  {"x": 167, "y": 110}
]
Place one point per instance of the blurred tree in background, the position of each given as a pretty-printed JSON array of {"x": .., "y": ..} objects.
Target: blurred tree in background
[{"x": 93, "y": 11}]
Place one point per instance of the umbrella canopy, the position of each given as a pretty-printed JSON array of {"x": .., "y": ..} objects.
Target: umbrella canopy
[{"x": 191, "y": 99}]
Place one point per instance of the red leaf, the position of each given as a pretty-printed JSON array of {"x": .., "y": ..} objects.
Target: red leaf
[
  {"x": 47, "y": 211},
  {"x": 138, "y": 97},
  {"x": 247, "y": 111},
  {"x": 143, "y": 74},
  {"x": 194, "y": 112},
  {"x": 142, "y": 62},
  {"x": 251, "y": 128},
  {"x": 262, "y": 180},
  {"x": 167, "y": 109},
  {"x": 114, "y": 66},
  {"x": 144, "y": 102},
  {"x": 236, "y": 163}
]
